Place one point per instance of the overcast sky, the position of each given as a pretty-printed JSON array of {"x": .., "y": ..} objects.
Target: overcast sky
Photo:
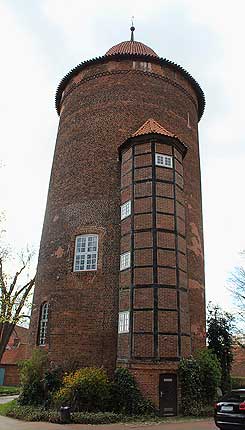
[{"x": 41, "y": 40}]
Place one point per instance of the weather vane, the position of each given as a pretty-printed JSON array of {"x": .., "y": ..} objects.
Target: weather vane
[{"x": 132, "y": 28}]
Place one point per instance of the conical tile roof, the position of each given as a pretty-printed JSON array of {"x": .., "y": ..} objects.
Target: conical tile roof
[
  {"x": 152, "y": 126},
  {"x": 131, "y": 47}
]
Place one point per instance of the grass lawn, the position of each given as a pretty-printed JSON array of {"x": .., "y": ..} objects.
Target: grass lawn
[
  {"x": 6, "y": 407},
  {"x": 7, "y": 391}
]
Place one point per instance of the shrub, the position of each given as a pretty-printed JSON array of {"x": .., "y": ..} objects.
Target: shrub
[
  {"x": 32, "y": 413},
  {"x": 96, "y": 417},
  {"x": 53, "y": 379},
  {"x": 126, "y": 396},
  {"x": 85, "y": 389},
  {"x": 210, "y": 375},
  {"x": 191, "y": 393},
  {"x": 38, "y": 413},
  {"x": 31, "y": 377},
  {"x": 52, "y": 382},
  {"x": 199, "y": 379}
]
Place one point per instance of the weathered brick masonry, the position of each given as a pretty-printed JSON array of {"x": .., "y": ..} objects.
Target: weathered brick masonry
[{"x": 102, "y": 103}]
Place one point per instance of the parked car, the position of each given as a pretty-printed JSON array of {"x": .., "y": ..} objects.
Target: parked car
[{"x": 230, "y": 411}]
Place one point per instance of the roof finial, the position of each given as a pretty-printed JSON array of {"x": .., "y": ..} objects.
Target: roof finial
[{"x": 132, "y": 28}]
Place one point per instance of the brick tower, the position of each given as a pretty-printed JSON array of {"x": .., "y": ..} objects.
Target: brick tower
[{"x": 120, "y": 275}]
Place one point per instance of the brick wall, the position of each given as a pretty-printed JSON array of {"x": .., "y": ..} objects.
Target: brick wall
[
  {"x": 159, "y": 303},
  {"x": 11, "y": 375},
  {"x": 238, "y": 365},
  {"x": 147, "y": 377}
]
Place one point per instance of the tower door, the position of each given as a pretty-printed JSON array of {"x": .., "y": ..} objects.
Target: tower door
[
  {"x": 2, "y": 372},
  {"x": 168, "y": 394}
]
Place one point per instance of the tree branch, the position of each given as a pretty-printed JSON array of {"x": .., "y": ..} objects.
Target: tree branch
[{"x": 12, "y": 285}]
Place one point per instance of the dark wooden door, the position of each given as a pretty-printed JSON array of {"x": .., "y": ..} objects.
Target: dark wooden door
[{"x": 168, "y": 394}]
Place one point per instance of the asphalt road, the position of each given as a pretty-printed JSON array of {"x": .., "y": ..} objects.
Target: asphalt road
[{"x": 10, "y": 424}]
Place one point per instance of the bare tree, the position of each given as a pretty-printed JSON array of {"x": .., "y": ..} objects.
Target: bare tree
[
  {"x": 14, "y": 293},
  {"x": 237, "y": 288}
]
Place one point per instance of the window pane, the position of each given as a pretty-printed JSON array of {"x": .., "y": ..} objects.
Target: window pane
[
  {"x": 86, "y": 253},
  {"x": 43, "y": 324},
  {"x": 92, "y": 244},
  {"x": 164, "y": 160},
  {"x": 126, "y": 209},
  {"x": 123, "y": 322},
  {"x": 125, "y": 261}
]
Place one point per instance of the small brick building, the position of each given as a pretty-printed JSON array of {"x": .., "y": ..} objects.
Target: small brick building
[
  {"x": 238, "y": 364},
  {"x": 120, "y": 276},
  {"x": 17, "y": 349}
]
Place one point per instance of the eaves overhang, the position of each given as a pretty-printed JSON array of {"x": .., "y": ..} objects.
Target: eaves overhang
[
  {"x": 162, "y": 61},
  {"x": 153, "y": 137}
]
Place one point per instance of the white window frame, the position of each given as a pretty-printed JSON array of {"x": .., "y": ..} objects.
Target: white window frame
[
  {"x": 43, "y": 324},
  {"x": 125, "y": 260},
  {"x": 126, "y": 209},
  {"x": 123, "y": 322},
  {"x": 86, "y": 259},
  {"x": 164, "y": 160}
]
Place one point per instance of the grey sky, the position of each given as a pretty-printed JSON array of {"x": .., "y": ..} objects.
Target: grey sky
[{"x": 43, "y": 40}]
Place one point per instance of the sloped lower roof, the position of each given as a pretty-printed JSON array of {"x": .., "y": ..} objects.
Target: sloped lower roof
[
  {"x": 12, "y": 356},
  {"x": 18, "y": 347},
  {"x": 152, "y": 126}
]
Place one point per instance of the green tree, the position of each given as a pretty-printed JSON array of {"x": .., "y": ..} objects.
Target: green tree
[{"x": 219, "y": 335}]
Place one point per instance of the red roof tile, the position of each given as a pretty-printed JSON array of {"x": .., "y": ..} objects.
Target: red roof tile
[
  {"x": 152, "y": 126},
  {"x": 22, "y": 333},
  {"x": 17, "y": 348},
  {"x": 132, "y": 48},
  {"x": 12, "y": 356}
]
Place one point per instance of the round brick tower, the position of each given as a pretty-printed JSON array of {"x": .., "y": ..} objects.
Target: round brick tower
[{"x": 120, "y": 274}]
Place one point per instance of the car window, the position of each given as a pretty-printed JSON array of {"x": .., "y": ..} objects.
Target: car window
[{"x": 234, "y": 396}]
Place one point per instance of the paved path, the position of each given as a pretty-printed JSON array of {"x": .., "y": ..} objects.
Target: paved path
[
  {"x": 11, "y": 424},
  {"x": 6, "y": 399}
]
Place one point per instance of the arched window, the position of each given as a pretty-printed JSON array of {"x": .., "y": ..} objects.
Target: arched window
[{"x": 43, "y": 324}]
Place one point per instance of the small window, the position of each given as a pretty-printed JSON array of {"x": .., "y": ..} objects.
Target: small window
[
  {"x": 43, "y": 324},
  {"x": 125, "y": 261},
  {"x": 126, "y": 209},
  {"x": 142, "y": 65},
  {"x": 164, "y": 160},
  {"x": 123, "y": 322},
  {"x": 86, "y": 253}
]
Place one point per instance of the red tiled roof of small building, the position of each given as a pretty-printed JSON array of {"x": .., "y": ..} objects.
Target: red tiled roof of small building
[
  {"x": 13, "y": 356},
  {"x": 131, "y": 48},
  {"x": 18, "y": 347},
  {"x": 22, "y": 333},
  {"x": 152, "y": 126}
]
